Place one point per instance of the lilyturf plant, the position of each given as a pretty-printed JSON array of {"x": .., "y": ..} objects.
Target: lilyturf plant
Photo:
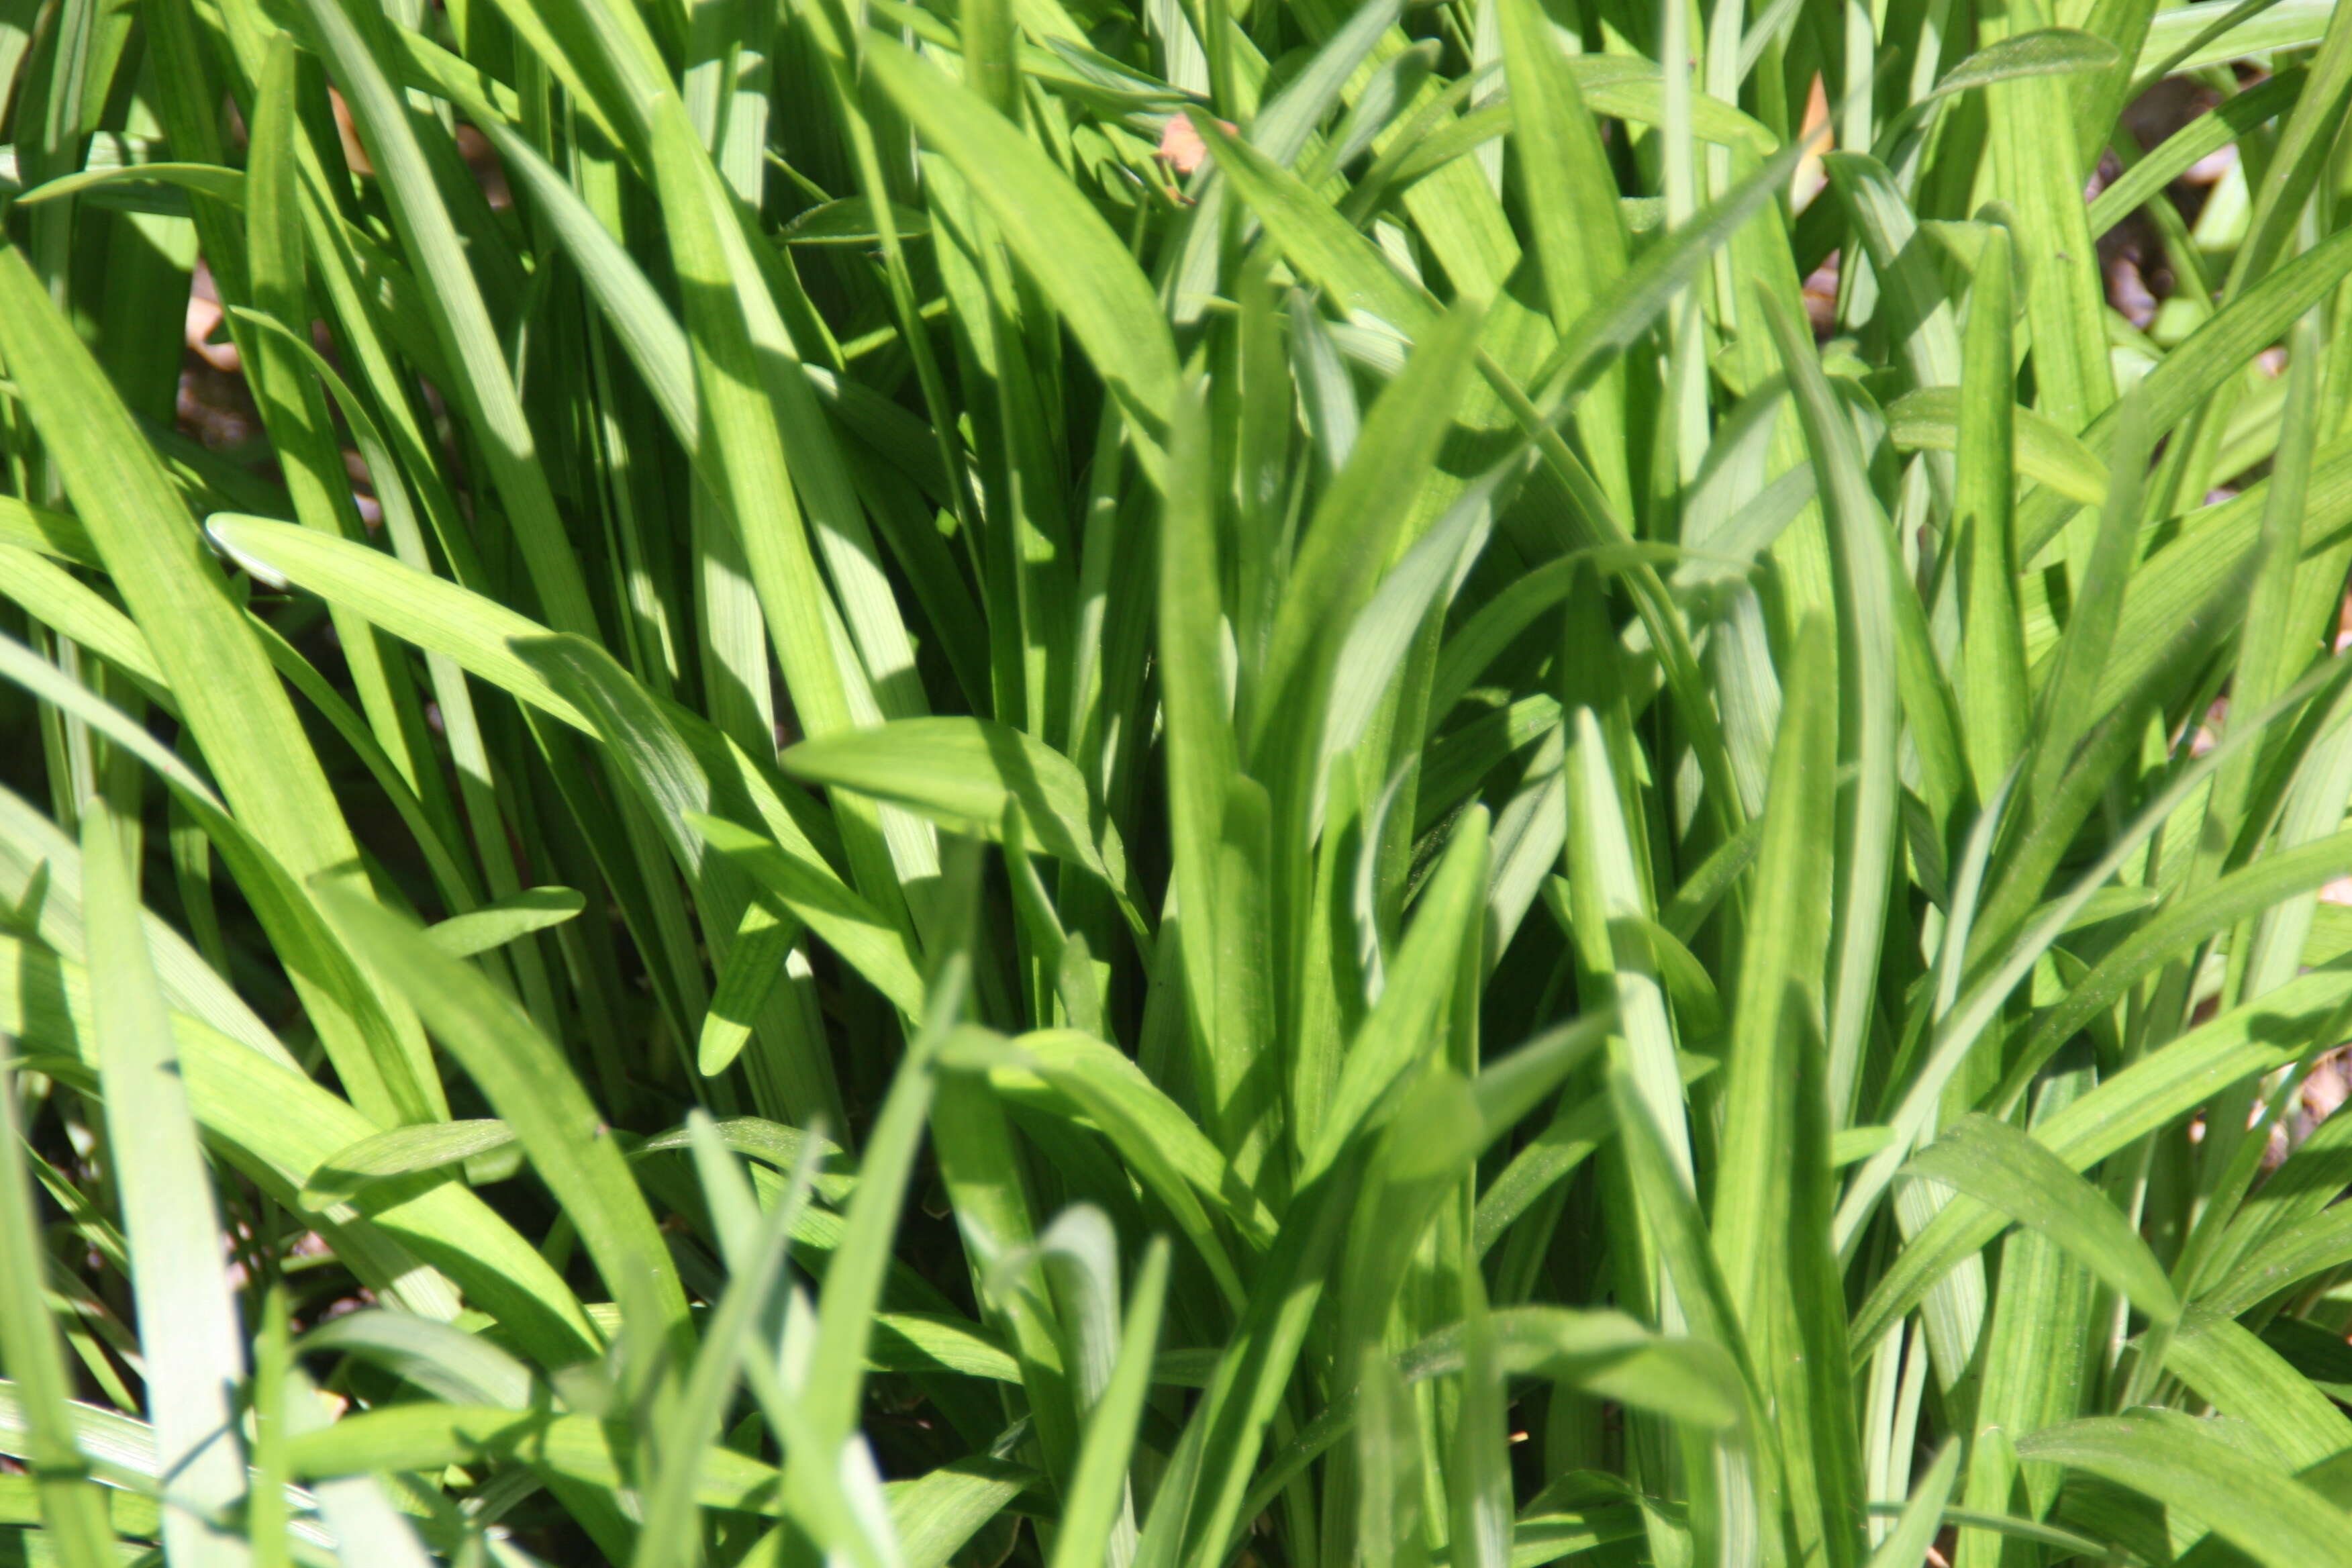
[{"x": 1173, "y": 784}]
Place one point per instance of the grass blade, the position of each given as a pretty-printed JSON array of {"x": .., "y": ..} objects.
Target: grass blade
[{"x": 186, "y": 1308}]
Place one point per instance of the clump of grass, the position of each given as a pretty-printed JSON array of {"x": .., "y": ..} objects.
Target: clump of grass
[{"x": 1173, "y": 786}]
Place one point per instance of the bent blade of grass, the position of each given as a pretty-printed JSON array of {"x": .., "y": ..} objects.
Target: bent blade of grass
[
  {"x": 1164, "y": 1146},
  {"x": 852, "y": 927},
  {"x": 402, "y": 1151},
  {"x": 1929, "y": 419},
  {"x": 532, "y": 1088},
  {"x": 754, "y": 963},
  {"x": 2180, "y": 1466},
  {"x": 446, "y": 1362},
  {"x": 961, "y": 772},
  {"x": 2233, "y": 1370},
  {"x": 2005, "y": 1169},
  {"x": 503, "y": 921},
  {"x": 428, "y": 1434},
  {"x": 475, "y": 631}
]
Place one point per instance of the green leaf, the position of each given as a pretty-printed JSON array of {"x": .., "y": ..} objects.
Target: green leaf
[
  {"x": 2240, "y": 1375},
  {"x": 1162, "y": 1145},
  {"x": 2200, "y": 137},
  {"x": 2224, "y": 29},
  {"x": 1354, "y": 532},
  {"x": 226, "y": 185},
  {"x": 502, "y": 921},
  {"x": 2005, "y": 1169},
  {"x": 1084, "y": 267},
  {"x": 2182, "y": 1467},
  {"x": 961, "y": 773},
  {"x": 51, "y": 533},
  {"x": 178, "y": 1261},
  {"x": 1775, "y": 1001},
  {"x": 684, "y": 1431},
  {"x": 2243, "y": 893},
  {"x": 1401, "y": 1029},
  {"x": 1992, "y": 679},
  {"x": 446, "y": 1362},
  {"x": 808, "y": 888},
  {"x": 534, "y": 1092},
  {"x": 1929, "y": 420},
  {"x": 1348, "y": 268},
  {"x": 1915, "y": 1531},
  {"x": 2184, "y": 379},
  {"x": 438, "y": 615},
  {"x": 349, "y": 40},
  {"x": 771, "y": 1143},
  {"x": 2046, "y": 51},
  {"x": 2132, "y": 1103},
  {"x": 755, "y": 962},
  {"x": 1098, "y": 1488},
  {"x": 404, "y": 1151},
  {"x": 282, "y": 1127},
  {"x": 72, "y": 1507},
  {"x": 851, "y": 222},
  {"x": 2072, "y": 683},
  {"x": 230, "y": 699},
  {"x": 1869, "y": 708},
  {"x": 429, "y": 1435},
  {"x": 936, "y": 1513}
]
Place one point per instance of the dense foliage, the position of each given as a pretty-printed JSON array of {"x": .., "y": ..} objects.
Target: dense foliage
[{"x": 1230, "y": 781}]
